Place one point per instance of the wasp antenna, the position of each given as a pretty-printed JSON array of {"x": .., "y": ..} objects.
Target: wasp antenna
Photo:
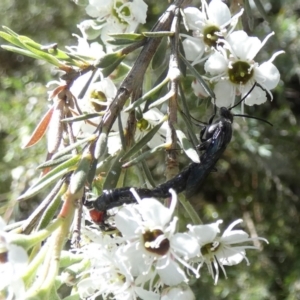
[
  {"x": 251, "y": 117},
  {"x": 215, "y": 107},
  {"x": 200, "y": 123},
  {"x": 192, "y": 118},
  {"x": 252, "y": 88}
]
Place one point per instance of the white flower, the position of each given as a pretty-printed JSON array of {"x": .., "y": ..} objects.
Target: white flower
[
  {"x": 96, "y": 99},
  {"x": 180, "y": 292},
  {"x": 149, "y": 120},
  {"x": 13, "y": 263},
  {"x": 218, "y": 251},
  {"x": 198, "y": 89},
  {"x": 106, "y": 274},
  {"x": 118, "y": 15},
  {"x": 90, "y": 51},
  {"x": 152, "y": 242},
  {"x": 143, "y": 126},
  {"x": 235, "y": 72},
  {"x": 209, "y": 26},
  {"x": 90, "y": 29}
]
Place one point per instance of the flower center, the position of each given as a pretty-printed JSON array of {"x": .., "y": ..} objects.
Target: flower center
[
  {"x": 143, "y": 125},
  {"x": 3, "y": 257},
  {"x": 98, "y": 97},
  {"x": 151, "y": 245},
  {"x": 125, "y": 12},
  {"x": 211, "y": 34},
  {"x": 209, "y": 248},
  {"x": 240, "y": 72}
]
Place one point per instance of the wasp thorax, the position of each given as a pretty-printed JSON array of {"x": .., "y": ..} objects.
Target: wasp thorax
[
  {"x": 211, "y": 34},
  {"x": 142, "y": 124},
  {"x": 154, "y": 242},
  {"x": 240, "y": 72}
]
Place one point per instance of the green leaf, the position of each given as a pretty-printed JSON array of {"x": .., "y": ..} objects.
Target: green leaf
[
  {"x": 92, "y": 172},
  {"x": 109, "y": 59},
  {"x": 121, "y": 132},
  {"x": 59, "y": 54},
  {"x": 120, "y": 42},
  {"x": 108, "y": 70},
  {"x": 147, "y": 173},
  {"x": 100, "y": 147},
  {"x": 11, "y": 39},
  {"x": 145, "y": 155},
  {"x": 79, "y": 176},
  {"x": 52, "y": 208},
  {"x": 50, "y": 177},
  {"x": 73, "y": 146},
  {"x": 185, "y": 114},
  {"x": 141, "y": 100},
  {"x": 187, "y": 147},
  {"x": 162, "y": 99},
  {"x": 127, "y": 36},
  {"x": 144, "y": 140},
  {"x": 207, "y": 89},
  {"x": 113, "y": 174},
  {"x": 54, "y": 162},
  {"x": 20, "y": 51},
  {"x": 249, "y": 14},
  {"x": 11, "y": 32},
  {"x": 261, "y": 9},
  {"x": 159, "y": 91},
  {"x": 160, "y": 55},
  {"x": 43, "y": 55},
  {"x": 158, "y": 34},
  {"x": 182, "y": 66},
  {"x": 190, "y": 209},
  {"x": 35, "y": 49},
  {"x": 119, "y": 39},
  {"x": 27, "y": 41},
  {"x": 82, "y": 117},
  {"x": 68, "y": 258}
]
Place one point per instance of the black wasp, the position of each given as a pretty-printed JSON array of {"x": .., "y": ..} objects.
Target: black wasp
[
  {"x": 214, "y": 139},
  {"x": 217, "y": 137}
]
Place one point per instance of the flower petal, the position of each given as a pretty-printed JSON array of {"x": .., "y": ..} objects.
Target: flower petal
[
  {"x": 243, "y": 46},
  {"x": 171, "y": 274},
  {"x": 185, "y": 245},
  {"x": 216, "y": 64},
  {"x": 270, "y": 74},
  {"x": 225, "y": 93},
  {"x": 127, "y": 221},
  {"x": 205, "y": 233},
  {"x": 193, "y": 48},
  {"x": 235, "y": 236},
  {"x": 193, "y": 18},
  {"x": 144, "y": 294},
  {"x": 218, "y": 12},
  {"x": 153, "y": 212},
  {"x": 230, "y": 257},
  {"x": 257, "y": 96},
  {"x": 198, "y": 89}
]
